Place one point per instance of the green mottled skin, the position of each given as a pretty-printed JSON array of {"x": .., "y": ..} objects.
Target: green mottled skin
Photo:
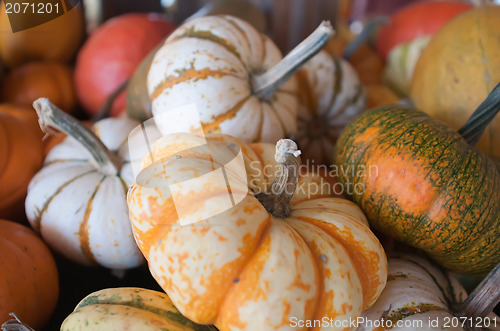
[{"x": 432, "y": 190}]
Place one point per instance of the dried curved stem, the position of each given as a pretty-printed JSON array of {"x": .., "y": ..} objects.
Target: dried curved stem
[
  {"x": 266, "y": 84},
  {"x": 50, "y": 117},
  {"x": 484, "y": 298},
  {"x": 277, "y": 200}
]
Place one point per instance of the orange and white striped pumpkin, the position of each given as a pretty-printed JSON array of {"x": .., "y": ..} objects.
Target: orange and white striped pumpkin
[
  {"x": 77, "y": 201},
  {"x": 213, "y": 63},
  {"x": 246, "y": 268},
  {"x": 330, "y": 96}
]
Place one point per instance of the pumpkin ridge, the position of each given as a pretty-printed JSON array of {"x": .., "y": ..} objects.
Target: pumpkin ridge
[
  {"x": 243, "y": 34},
  {"x": 260, "y": 125},
  {"x": 207, "y": 35},
  {"x": 37, "y": 221},
  {"x": 217, "y": 120},
  {"x": 84, "y": 230},
  {"x": 187, "y": 75},
  {"x": 56, "y": 161},
  {"x": 448, "y": 300}
]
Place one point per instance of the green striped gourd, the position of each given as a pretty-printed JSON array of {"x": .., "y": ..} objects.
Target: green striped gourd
[
  {"x": 425, "y": 184},
  {"x": 330, "y": 96},
  {"x": 401, "y": 63},
  {"x": 128, "y": 308},
  {"x": 232, "y": 76}
]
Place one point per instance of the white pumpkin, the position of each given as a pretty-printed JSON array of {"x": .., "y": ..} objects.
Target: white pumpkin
[
  {"x": 77, "y": 201},
  {"x": 330, "y": 96},
  {"x": 218, "y": 66},
  {"x": 421, "y": 296}
]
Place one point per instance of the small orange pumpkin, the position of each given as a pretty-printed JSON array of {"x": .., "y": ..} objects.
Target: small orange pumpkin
[
  {"x": 25, "y": 114},
  {"x": 55, "y": 40},
  {"x": 21, "y": 156},
  {"x": 29, "y": 285},
  {"x": 29, "y": 82}
]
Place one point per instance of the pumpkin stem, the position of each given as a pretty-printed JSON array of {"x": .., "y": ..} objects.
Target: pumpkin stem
[
  {"x": 277, "y": 200},
  {"x": 482, "y": 116},
  {"x": 266, "y": 84},
  {"x": 484, "y": 297},
  {"x": 50, "y": 117},
  {"x": 15, "y": 324},
  {"x": 364, "y": 35}
]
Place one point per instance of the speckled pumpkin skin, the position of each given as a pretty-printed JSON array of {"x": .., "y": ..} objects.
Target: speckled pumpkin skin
[
  {"x": 431, "y": 189},
  {"x": 244, "y": 269}
]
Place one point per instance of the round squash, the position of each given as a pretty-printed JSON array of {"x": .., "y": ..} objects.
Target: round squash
[
  {"x": 25, "y": 114},
  {"x": 56, "y": 40},
  {"x": 111, "y": 55},
  {"x": 418, "y": 291},
  {"x": 17, "y": 140},
  {"x": 232, "y": 76},
  {"x": 29, "y": 82},
  {"x": 77, "y": 201},
  {"x": 424, "y": 184},
  {"x": 458, "y": 69},
  {"x": 330, "y": 96},
  {"x": 128, "y": 308},
  {"x": 29, "y": 285},
  {"x": 271, "y": 248}
]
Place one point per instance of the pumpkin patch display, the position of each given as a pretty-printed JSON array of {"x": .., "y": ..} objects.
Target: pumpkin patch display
[
  {"x": 17, "y": 140},
  {"x": 458, "y": 69},
  {"x": 29, "y": 82},
  {"x": 281, "y": 250},
  {"x": 77, "y": 201},
  {"x": 29, "y": 284},
  {"x": 330, "y": 96},
  {"x": 232, "y": 76},
  {"x": 432, "y": 189},
  {"x": 55, "y": 40},
  {"x": 128, "y": 308},
  {"x": 421, "y": 296},
  {"x": 111, "y": 55}
]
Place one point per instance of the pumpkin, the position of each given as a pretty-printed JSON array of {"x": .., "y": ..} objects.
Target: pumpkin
[
  {"x": 128, "y": 308},
  {"x": 420, "y": 295},
  {"x": 232, "y": 76},
  {"x": 107, "y": 59},
  {"x": 29, "y": 285},
  {"x": 458, "y": 69},
  {"x": 25, "y": 114},
  {"x": 417, "y": 20},
  {"x": 17, "y": 140},
  {"x": 428, "y": 185},
  {"x": 77, "y": 200},
  {"x": 402, "y": 40},
  {"x": 55, "y": 40},
  {"x": 29, "y": 82},
  {"x": 245, "y": 261},
  {"x": 330, "y": 96}
]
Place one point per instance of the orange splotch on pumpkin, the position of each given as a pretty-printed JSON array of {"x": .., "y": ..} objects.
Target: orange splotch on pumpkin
[{"x": 415, "y": 193}]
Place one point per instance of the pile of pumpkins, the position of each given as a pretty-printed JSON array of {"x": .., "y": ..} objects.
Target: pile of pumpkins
[{"x": 200, "y": 153}]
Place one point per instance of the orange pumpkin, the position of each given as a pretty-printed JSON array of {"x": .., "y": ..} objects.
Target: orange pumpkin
[
  {"x": 25, "y": 114},
  {"x": 378, "y": 95},
  {"x": 29, "y": 285},
  {"x": 52, "y": 80},
  {"x": 55, "y": 40},
  {"x": 21, "y": 156},
  {"x": 265, "y": 253},
  {"x": 458, "y": 69}
]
